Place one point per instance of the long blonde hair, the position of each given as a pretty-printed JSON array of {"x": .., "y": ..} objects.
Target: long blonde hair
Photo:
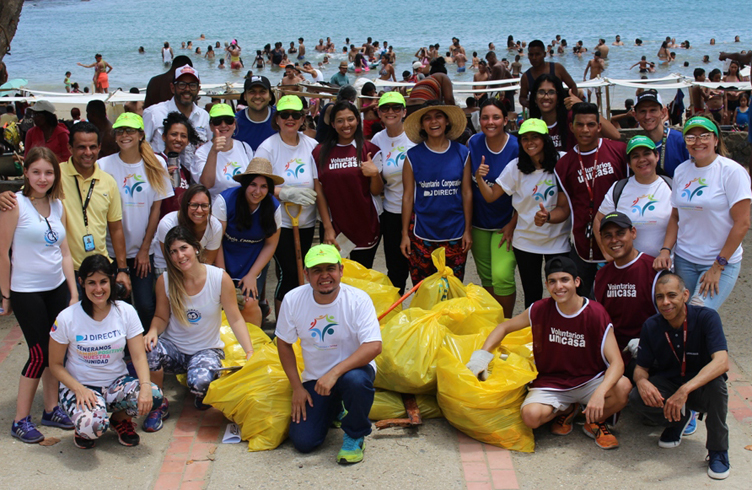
[
  {"x": 176, "y": 278},
  {"x": 156, "y": 174}
]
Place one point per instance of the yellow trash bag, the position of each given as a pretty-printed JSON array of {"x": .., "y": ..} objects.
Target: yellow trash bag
[
  {"x": 389, "y": 405},
  {"x": 440, "y": 286},
  {"x": 488, "y": 411},
  {"x": 258, "y": 398},
  {"x": 410, "y": 343},
  {"x": 375, "y": 284},
  {"x": 476, "y": 312}
]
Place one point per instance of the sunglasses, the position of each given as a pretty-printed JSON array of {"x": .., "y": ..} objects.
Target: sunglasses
[
  {"x": 217, "y": 121},
  {"x": 287, "y": 115},
  {"x": 391, "y": 108},
  {"x": 128, "y": 131}
]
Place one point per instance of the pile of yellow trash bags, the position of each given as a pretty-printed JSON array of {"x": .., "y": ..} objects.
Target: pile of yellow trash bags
[{"x": 425, "y": 349}]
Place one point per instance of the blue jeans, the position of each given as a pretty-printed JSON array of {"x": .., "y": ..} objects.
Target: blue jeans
[
  {"x": 355, "y": 390},
  {"x": 691, "y": 274}
]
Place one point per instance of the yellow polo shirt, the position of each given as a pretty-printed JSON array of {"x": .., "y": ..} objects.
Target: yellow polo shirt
[{"x": 104, "y": 207}]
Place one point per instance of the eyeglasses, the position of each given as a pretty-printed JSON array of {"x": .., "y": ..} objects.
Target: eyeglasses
[
  {"x": 691, "y": 139},
  {"x": 185, "y": 85},
  {"x": 391, "y": 108},
  {"x": 217, "y": 121},
  {"x": 128, "y": 131},
  {"x": 287, "y": 115},
  {"x": 546, "y": 93},
  {"x": 195, "y": 205}
]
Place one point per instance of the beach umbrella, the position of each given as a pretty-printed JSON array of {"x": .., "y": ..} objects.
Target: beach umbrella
[{"x": 14, "y": 84}]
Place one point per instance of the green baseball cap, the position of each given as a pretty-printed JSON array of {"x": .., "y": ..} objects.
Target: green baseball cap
[
  {"x": 700, "y": 122},
  {"x": 638, "y": 141},
  {"x": 533, "y": 125},
  {"x": 129, "y": 120},
  {"x": 221, "y": 110},
  {"x": 392, "y": 98},
  {"x": 290, "y": 103},
  {"x": 322, "y": 254}
]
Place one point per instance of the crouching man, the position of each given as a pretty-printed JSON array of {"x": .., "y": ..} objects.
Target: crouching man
[
  {"x": 340, "y": 337},
  {"x": 681, "y": 366},
  {"x": 576, "y": 354}
]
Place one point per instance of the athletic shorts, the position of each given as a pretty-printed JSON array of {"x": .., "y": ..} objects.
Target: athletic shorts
[
  {"x": 561, "y": 400},
  {"x": 495, "y": 264}
]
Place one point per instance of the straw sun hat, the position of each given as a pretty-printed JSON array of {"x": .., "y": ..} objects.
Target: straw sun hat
[
  {"x": 259, "y": 166},
  {"x": 454, "y": 114}
]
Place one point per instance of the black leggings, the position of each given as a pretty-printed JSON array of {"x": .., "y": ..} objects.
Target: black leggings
[
  {"x": 284, "y": 259},
  {"x": 36, "y": 313},
  {"x": 397, "y": 266},
  {"x": 529, "y": 265}
]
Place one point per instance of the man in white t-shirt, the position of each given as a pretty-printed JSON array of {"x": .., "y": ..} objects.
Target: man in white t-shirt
[
  {"x": 340, "y": 337},
  {"x": 317, "y": 75}
]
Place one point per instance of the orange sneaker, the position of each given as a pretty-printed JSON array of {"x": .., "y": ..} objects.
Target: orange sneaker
[
  {"x": 562, "y": 425},
  {"x": 604, "y": 439}
]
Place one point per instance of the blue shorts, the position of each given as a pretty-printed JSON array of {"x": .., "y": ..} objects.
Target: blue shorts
[{"x": 460, "y": 69}]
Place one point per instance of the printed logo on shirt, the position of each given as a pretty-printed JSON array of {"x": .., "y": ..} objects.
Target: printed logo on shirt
[
  {"x": 231, "y": 169},
  {"x": 600, "y": 170},
  {"x": 133, "y": 183},
  {"x": 544, "y": 189},
  {"x": 346, "y": 162},
  {"x": 294, "y": 167},
  {"x": 565, "y": 337},
  {"x": 621, "y": 291},
  {"x": 438, "y": 188},
  {"x": 97, "y": 336},
  {"x": 194, "y": 316},
  {"x": 690, "y": 191},
  {"x": 321, "y": 327},
  {"x": 399, "y": 155},
  {"x": 54, "y": 327},
  {"x": 648, "y": 204},
  {"x": 98, "y": 355},
  {"x": 50, "y": 237}
]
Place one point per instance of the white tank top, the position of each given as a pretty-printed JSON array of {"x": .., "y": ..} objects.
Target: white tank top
[
  {"x": 166, "y": 55},
  {"x": 37, "y": 262},
  {"x": 204, "y": 311}
]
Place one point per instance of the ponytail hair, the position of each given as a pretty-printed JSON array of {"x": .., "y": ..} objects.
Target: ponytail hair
[{"x": 156, "y": 174}]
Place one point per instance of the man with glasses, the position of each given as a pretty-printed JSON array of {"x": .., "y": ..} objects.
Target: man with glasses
[
  {"x": 652, "y": 116},
  {"x": 254, "y": 123},
  {"x": 185, "y": 93}
]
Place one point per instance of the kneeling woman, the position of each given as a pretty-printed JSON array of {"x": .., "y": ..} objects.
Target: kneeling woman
[
  {"x": 94, "y": 333},
  {"x": 437, "y": 188},
  {"x": 184, "y": 335},
  {"x": 251, "y": 219}
]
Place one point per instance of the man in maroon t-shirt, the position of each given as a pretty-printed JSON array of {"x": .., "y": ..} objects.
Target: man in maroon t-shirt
[
  {"x": 626, "y": 286},
  {"x": 576, "y": 355},
  {"x": 585, "y": 174}
]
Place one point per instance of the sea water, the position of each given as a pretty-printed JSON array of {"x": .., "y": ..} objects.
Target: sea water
[{"x": 53, "y": 35}]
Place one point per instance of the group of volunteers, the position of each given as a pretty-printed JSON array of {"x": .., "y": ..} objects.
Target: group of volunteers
[{"x": 194, "y": 206}]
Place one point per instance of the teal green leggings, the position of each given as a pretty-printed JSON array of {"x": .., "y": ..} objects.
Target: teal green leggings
[{"x": 495, "y": 264}]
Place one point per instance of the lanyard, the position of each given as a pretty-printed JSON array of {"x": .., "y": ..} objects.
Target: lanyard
[
  {"x": 684, "y": 353},
  {"x": 85, "y": 204},
  {"x": 662, "y": 162},
  {"x": 584, "y": 176}
]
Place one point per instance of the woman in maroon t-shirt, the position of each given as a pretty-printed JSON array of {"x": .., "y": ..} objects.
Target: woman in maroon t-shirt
[{"x": 349, "y": 184}]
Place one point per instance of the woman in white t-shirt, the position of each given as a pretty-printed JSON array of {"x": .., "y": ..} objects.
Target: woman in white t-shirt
[
  {"x": 394, "y": 144},
  {"x": 143, "y": 182},
  {"x": 195, "y": 214},
  {"x": 529, "y": 180},
  {"x": 37, "y": 284},
  {"x": 289, "y": 152},
  {"x": 710, "y": 216},
  {"x": 184, "y": 335},
  {"x": 645, "y": 199},
  {"x": 87, "y": 345},
  {"x": 217, "y": 162}
]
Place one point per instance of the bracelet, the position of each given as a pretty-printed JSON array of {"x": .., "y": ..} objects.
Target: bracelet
[
  {"x": 5, "y": 297},
  {"x": 665, "y": 248},
  {"x": 548, "y": 217}
]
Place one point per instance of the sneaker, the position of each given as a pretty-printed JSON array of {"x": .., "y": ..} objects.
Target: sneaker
[
  {"x": 691, "y": 427},
  {"x": 337, "y": 423},
  {"x": 57, "y": 418},
  {"x": 25, "y": 431},
  {"x": 604, "y": 439},
  {"x": 672, "y": 436},
  {"x": 153, "y": 421},
  {"x": 562, "y": 424},
  {"x": 199, "y": 404},
  {"x": 126, "y": 433},
  {"x": 718, "y": 465},
  {"x": 83, "y": 443},
  {"x": 352, "y": 450}
]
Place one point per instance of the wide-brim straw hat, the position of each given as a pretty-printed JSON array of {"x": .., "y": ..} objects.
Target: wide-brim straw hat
[
  {"x": 259, "y": 166},
  {"x": 454, "y": 114}
]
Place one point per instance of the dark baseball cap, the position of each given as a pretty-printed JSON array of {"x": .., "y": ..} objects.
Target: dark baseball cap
[
  {"x": 650, "y": 95},
  {"x": 619, "y": 219},
  {"x": 257, "y": 81},
  {"x": 561, "y": 264}
]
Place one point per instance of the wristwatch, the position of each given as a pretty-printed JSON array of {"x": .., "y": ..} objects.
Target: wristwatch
[
  {"x": 721, "y": 261},
  {"x": 124, "y": 269}
]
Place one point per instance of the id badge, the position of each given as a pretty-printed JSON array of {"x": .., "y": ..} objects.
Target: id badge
[{"x": 88, "y": 243}]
